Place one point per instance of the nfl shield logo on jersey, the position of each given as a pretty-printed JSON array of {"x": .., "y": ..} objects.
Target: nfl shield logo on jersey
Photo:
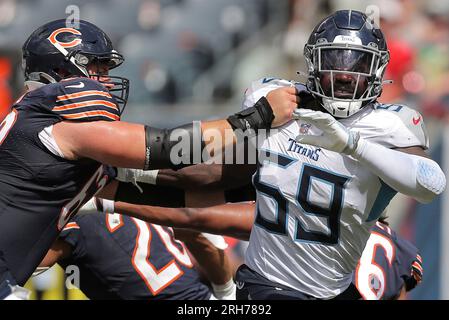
[{"x": 304, "y": 128}]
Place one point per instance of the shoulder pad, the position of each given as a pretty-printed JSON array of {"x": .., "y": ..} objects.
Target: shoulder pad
[
  {"x": 84, "y": 99},
  {"x": 410, "y": 129},
  {"x": 260, "y": 88}
]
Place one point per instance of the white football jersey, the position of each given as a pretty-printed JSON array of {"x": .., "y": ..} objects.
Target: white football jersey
[{"x": 315, "y": 207}]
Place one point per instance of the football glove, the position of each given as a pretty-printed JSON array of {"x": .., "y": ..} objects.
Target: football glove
[{"x": 335, "y": 136}]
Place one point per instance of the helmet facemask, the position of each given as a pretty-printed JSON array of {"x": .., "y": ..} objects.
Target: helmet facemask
[
  {"x": 117, "y": 86},
  {"x": 346, "y": 76}
]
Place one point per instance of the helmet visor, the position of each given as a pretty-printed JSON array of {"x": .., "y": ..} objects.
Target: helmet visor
[
  {"x": 351, "y": 60},
  {"x": 110, "y": 59}
]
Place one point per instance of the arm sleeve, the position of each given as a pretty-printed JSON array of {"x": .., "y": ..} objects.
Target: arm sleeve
[{"x": 414, "y": 176}]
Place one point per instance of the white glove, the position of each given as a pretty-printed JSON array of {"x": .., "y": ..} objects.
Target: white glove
[
  {"x": 97, "y": 204},
  {"x": 335, "y": 136}
]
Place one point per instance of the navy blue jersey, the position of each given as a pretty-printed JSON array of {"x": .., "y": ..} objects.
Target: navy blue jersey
[
  {"x": 39, "y": 191},
  {"x": 126, "y": 258},
  {"x": 388, "y": 264}
]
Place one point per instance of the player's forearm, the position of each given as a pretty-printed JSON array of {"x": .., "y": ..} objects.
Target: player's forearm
[
  {"x": 230, "y": 219},
  {"x": 234, "y": 220},
  {"x": 188, "y": 144},
  {"x": 197, "y": 176},
  {"x": 412, "y": 175},
  {"x": 191, "y": 218},
  {"x": 58, "y": 251},
  {"x": 202, "y": 141},
  {"x": 205, "y": 176},
  {"x": 213, "y": 261},
  {"x": 172, "y": 217}
]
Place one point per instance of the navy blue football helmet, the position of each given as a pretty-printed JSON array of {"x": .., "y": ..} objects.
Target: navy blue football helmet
[
  {"x": 346, "y": 56},
  {"x": 55, "y": 51}
]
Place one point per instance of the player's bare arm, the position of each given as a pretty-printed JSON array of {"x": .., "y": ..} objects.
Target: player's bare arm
[
  {"x": 211, "y": 259},
  {"x": 231, "y": 219},
  {"x": 58, "y": 251},
  {"x": 207, "y": 176},
  {"x": 142, "y": 147}
]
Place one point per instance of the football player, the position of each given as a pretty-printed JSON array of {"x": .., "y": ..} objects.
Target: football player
[
  {"x": 59, "y": 133},
  {"x": 320, "y": 192},
  {"x": 323, "y": 180},
  {"x": 389, "y": 266},
  {"x": 126, "y": 258}
]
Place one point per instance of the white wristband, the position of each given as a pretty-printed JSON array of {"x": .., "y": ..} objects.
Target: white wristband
[
  {"x": 108, "y": 205},
  {"x": 225, "y": 291}
]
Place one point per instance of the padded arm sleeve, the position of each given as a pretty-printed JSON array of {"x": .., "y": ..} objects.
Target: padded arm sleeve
[
  {"x": 415, "y": 176},
  {"x": 174, "y": 148}
]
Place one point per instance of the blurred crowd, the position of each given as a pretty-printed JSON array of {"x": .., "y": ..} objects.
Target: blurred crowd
[
  {"x": 204, "y": 53},
  {"x": 190, "y": 59}
]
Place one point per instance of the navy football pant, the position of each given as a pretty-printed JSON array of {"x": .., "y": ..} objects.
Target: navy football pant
[
  {"x": 252, "y": 286},
  {"x": 25, "y": 238}
]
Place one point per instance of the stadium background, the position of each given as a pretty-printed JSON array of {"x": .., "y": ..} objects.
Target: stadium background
[{"x": 193, "y": 59}]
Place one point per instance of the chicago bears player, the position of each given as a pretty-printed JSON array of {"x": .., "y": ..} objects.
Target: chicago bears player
[
  {"x": 125, "y": 258},
  {"x": 57, "y": 136},
  {"x": 389, "y": 267}
]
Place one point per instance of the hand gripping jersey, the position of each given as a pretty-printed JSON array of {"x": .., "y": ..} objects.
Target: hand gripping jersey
[
  {"x": 126, "y": 258},
  {"x": 315, "y": 208},
  {"x": 40, "y": 190},
  {"x": 388, "y": 264}
]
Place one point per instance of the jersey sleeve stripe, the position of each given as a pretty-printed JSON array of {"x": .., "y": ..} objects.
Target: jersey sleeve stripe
[
  {"x": 71, "y": 225},
  {"x": 76, "y": 105},
  {"x": 417, "y": 266},
  {"x": 83, "y": 94},
  {"x": 89, "y": 114}
]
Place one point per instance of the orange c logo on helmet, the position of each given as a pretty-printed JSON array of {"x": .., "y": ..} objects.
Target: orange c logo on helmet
[{"x": 70, "y": 44}]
